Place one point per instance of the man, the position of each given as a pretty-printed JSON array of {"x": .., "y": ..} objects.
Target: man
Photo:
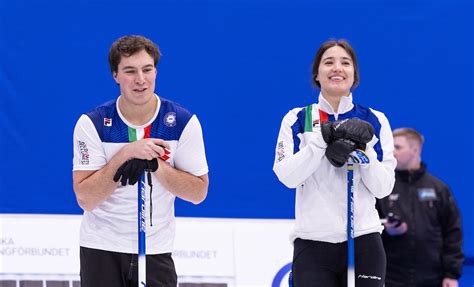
[
  {"x": 116, "y": 143},
  {"x": 422, "y": 236}
]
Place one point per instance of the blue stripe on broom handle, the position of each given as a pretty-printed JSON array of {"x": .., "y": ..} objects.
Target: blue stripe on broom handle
[
  {"x": 350, "y": 225},
  {"x": 141, "y": 233}
]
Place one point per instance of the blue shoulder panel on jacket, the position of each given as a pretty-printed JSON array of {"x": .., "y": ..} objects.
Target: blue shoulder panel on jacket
[
  {"x": 171, "y": 121},
  {"x": 169, "y": 124},
  {"x": 367, "y": 115},
  {"x": 108, "y": 123},
  {"x": 298, "y": 128}
]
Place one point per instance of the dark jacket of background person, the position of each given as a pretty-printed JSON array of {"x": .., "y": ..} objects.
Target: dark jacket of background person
[{"x": 431, "y": 249}]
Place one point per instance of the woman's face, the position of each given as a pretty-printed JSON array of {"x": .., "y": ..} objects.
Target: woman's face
[{"x": 336, "y": 72}]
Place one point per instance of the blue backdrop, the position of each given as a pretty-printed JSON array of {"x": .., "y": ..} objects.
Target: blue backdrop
[{"x": 240, "y": 65}]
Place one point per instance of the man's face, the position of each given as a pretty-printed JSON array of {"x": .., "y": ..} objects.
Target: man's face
[
  {"x": 336, "y": 72},
  {"x": 136, "y": 76},
  {"x": 406, "y": 153}
]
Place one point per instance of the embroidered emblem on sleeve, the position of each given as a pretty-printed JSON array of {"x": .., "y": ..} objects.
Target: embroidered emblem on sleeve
[
  {"x": 83, "y": 152},
  {"x": 280, "y": 151}
]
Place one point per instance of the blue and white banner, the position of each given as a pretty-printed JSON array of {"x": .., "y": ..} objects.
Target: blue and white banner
[{"x": 235, "y": 252}]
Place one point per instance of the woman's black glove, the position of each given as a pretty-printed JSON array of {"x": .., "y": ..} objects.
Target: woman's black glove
[
  {"x": 354, "y": 129},
  {"x": 131, "y": 170},
  {"x": 338, "y": 151}
]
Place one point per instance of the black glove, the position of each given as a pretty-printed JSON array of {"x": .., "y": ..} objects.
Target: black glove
[
  {"x": 338, "y": 151},
  {"x": 354, "y": 129},
  {"x": 394, "y": 219},
  {"x": 132, "y": 169}
]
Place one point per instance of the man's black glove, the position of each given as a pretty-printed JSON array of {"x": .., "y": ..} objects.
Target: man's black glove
[
  {"x": 338, "y": 151},
  {"x": 132, "y": 169},
  {"x": 354, "y": 129}
]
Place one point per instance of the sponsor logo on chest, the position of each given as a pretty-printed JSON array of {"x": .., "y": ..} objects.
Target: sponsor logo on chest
[
  {"x": 426, "y": 194},
  {"x": 170, "y": 119},
  {"x": 107, "y": 122}
]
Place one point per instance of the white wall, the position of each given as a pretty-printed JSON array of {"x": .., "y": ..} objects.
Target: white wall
[{"x": 239, "y": 252}]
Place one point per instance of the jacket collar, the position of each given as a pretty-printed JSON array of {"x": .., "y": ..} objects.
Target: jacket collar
[
  {"x": 345, "y": 105},
  {"x": 411, "y": 175}
]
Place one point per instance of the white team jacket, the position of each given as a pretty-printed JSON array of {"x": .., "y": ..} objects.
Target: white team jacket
[
  {"x": 98, "y": 136},
  {"x": 321, "y": 189}
]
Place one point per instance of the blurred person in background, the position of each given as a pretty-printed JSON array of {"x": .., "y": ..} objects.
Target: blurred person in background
[{"x": 422, "y": 236}]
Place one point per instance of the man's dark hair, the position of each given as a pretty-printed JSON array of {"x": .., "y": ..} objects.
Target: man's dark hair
[{"x": 128, "y": 45}]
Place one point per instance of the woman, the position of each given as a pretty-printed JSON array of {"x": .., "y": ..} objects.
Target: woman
[{"x": 313, "y": 145}]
